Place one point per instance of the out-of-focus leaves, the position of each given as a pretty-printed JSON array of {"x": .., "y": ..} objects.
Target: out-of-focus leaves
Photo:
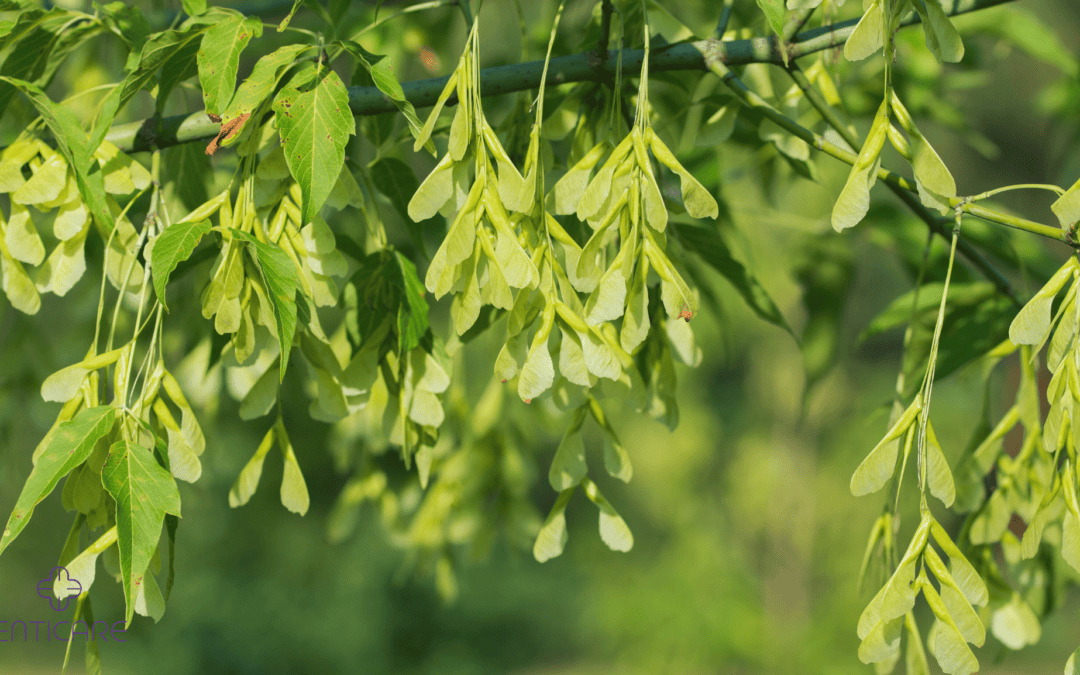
[
  {"x": 826, "y": 270},
  {"x": 711, "y": 247}
]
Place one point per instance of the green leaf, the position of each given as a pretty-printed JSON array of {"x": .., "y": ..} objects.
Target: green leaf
[
  {"x": 173, "y": 246},
  {"x": 903, "y": 309},
  {"x": 938, "y": 474},
  {"x": 613, "y": 529},
  {"x": 194, "y": 7},
  {"x": 144, "y": 492},
  {"x": 774, "y": 14},
  {"x": 1067, "y": 206},
  {"x": 569, "y": 189},
  {"x": 708, "y": 244},
  {"x": 552, "y": 537},
  {"x": 412, "y": 318},
  {"x": 608, "y": 300},
  {"x": 568, "y": 466},
  {"x": 315, "y": 126},
  {"x": 181, "y": 65},
  {"x": 72, "y": 143},
  {"x": 69, "y": 446},
  {"x": 157, "y": 52},
  {"x": 1032, "y": 323},
  {"x": 187, "y": 180},
  {"x": 698, "y": 201},
  {"x": 1015, "y": 625},
  {"x": 854, "y": 201},
  {"x": 294, "y": 493},
  {"x": 396, "y": 179},
  {"x": 381, "y": 71},
  {"x": 945, "y": 642},
  {"x": 1072, "y": 666},
  {"x": 219, "y": 59},
  {"x": 879, "y": 465},
  {"x": 941, "y": 36},
  {"x": 288, "y": 17},
  {"x": 967, "y": 579},
  {"x": 436, "y": 190},
  {"x": 868, "y": 35},
  {"x": 279, "y": 275},
  {"x": 248, "y": 480},
  {"x": 260, "y": 84},
  {"x": 960, "y": 610},
  {"x": 26, "y": 48}
]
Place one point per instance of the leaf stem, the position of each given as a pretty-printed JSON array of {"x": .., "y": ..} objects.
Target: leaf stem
[
  {"x": 1023, "y": 186},
  {"x": 928, "y": 382}
]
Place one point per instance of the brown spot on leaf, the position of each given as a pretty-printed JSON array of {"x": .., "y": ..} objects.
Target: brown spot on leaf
[{"x": 228, "y": 130}]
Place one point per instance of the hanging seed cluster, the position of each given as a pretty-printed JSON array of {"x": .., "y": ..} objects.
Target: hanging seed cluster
[{"x": 50, "y": 193}]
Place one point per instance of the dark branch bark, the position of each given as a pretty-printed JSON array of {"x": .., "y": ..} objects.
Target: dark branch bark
[{"x": 169, "y": 131}]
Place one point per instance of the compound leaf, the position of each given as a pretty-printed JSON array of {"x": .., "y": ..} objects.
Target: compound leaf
[{"x": 144, "y": 492}]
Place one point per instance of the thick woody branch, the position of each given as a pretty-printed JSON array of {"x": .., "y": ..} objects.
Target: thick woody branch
[{"x": 169, "y": 131}]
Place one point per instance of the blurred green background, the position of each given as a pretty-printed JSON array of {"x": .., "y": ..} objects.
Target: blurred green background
[{"x": 747, "y": 539}]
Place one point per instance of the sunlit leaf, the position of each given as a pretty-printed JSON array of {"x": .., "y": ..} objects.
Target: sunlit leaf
[
  {"x": 552, "y": 536},
  {"x": 315, "y": 125},
  {"x": 219, "y": 59},
  {"x": 613, "y": 529},
  {"x": 144, "y": 492},
  {"x": 69, "y": 446}
]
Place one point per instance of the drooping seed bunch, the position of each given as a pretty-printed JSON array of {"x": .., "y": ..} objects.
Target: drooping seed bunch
[{"x": 51, "y": 193}]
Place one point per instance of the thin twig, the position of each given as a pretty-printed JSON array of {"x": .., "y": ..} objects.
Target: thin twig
[
  {"x": 796, "y": 22},
  {"x": 725, "y": 19},
  {"x": 934, "y": 223}
]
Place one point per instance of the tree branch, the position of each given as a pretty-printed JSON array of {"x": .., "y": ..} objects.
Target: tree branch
[
  {"x": 752, "y": 100},
  {"x": 796, "y": 22},
  {"x": 169, "y": 131},
  {"x": 940, "y": 227}
]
